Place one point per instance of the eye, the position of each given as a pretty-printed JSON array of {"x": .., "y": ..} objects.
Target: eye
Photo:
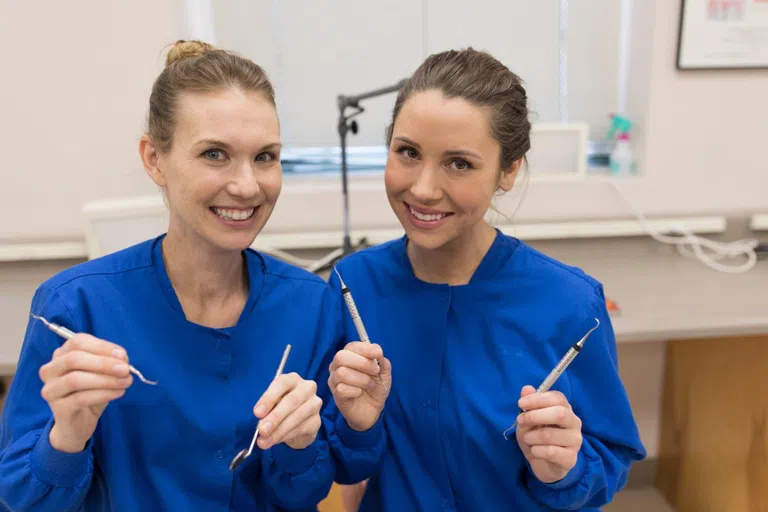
[
  {"x": 214, "y": 154},
  {"x": 266, "y": 157},
  {"x": 460, "y": 164},
  {"x": 408, "y": 152}
]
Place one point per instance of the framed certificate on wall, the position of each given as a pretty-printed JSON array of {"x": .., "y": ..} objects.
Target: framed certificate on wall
[{"x": 723, "y": 34}]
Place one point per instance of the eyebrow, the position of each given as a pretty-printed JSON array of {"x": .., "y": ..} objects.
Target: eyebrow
[
  {"x": 453, "y": 152},
  {"x": 408, "y": 141},
  {"x": 214, "y": 142}
]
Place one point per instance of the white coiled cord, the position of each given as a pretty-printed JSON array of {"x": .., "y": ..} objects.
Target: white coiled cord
[{"x": 711, "y": 253}]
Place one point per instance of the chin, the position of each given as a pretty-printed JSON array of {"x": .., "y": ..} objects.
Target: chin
[
  {"x": 427, "y": 240},
  {"x": 231, "y": 241}
]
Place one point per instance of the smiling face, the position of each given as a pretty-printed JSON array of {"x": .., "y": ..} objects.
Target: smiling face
[
  {"x": 222, "y": 174},
  {"x": 443, "y": 169}
]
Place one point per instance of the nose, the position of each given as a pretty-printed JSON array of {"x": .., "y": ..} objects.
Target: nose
[
  {"x": 427, "y": 187},
  {"x": 244, "y": 182}
]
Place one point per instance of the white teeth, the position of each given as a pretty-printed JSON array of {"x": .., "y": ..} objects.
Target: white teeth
[
  {"x": 427, "y": 217},
  {"x": 232, "y": 214}
]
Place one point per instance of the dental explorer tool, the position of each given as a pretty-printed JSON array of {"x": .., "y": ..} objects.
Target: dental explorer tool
[
  {"x": 244, "y": 454},
  {"x": 355, "y": 314},
  {"x": 558, "y": 370},
  {"x": 67, "y": 334}
]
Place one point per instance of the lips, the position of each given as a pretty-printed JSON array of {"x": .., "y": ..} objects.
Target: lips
[
  {"x": 233, "y": 214},
  {"x": 427, "y": 217},
  {"x": 424, "y": 218}
]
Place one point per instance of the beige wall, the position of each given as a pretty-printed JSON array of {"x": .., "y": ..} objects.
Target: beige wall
[
  {"x": 706, "y": 129},
  {"x": 73, "y": 99}
]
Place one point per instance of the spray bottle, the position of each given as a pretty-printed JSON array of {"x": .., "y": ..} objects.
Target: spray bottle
[{"x": 622, "y": 159}]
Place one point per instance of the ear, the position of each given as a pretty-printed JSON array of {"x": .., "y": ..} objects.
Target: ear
[
  {"x": 508, "y": 176},
  {"x": 150, "y": 157}
]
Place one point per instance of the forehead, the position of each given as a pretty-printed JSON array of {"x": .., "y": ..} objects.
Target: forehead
[
  {"x": 432, "y": 119},
  {"x": 231, "y": 115}
]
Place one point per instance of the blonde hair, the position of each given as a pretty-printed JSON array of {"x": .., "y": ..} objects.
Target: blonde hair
[{"x": 195, "y": 66}]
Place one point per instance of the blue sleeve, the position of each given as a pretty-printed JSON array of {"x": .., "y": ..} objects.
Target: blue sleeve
[
  {"x": 34, "y": 475},
  {"x": 297, "y": 479},
  {"x": 611, "y": 441},
  {"x": 357, "y": 455}
]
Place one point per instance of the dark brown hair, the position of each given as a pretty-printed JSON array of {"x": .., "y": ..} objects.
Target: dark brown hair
[
  {"x": 478, "y": 78},
  {"x": 198, "y": 67}
]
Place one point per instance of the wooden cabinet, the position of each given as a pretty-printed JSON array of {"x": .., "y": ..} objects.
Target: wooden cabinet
[
  {"x": 333, "y": 503},
  {"x": 713, "y": 453}
]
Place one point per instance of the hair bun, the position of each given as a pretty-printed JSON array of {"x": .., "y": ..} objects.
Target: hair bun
[{"x": 186, "y": 49}]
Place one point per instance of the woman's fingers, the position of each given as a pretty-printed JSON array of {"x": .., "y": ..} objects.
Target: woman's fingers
[
  {"x": 559, "y": 415},
  {"x": 293, "y": 425},
  {"x": 353, "y": 378},
  {"x": 277, "y": 389},
  {"x": 79, "y": 360},
  {"x": 89, "y": 398},
  {"x": 94, "y": 345},
  {"x": 76, "y": 381},
  {"x": 552, "y": 436},
  {"x": 358, "y": 356},
  {"x": 562, "y": 457}
]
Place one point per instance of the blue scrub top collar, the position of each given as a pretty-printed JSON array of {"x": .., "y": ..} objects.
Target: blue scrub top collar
[{"x": 499, "y": 253}]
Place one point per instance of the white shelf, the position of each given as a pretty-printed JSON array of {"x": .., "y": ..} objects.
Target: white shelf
[
  {"x": 615, "y": 228},
  {"x": 43, "y": 251}
]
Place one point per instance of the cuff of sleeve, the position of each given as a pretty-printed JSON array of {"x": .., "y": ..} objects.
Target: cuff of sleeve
[
  {"x": 357, "y": 440},
  {"x": 60, "y": 469},
  {"x": 295, "y": 461},
  {"x": 573, "y": 477}
]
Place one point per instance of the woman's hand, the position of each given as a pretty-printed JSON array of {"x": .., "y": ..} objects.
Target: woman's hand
[
  {"x": 289, "y": 412},
  {"x": 549, "y": 433},
  {"x": 356, "y": 383},
  {"x": 83, "y": 376}
]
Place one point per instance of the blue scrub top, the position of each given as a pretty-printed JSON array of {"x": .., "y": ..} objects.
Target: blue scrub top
[
  {"x": 168, "y": 447},
  {"x": 460, "y": 356}
]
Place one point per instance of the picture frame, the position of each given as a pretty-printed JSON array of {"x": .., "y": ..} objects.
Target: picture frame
[{"x": 723, "y": 34}]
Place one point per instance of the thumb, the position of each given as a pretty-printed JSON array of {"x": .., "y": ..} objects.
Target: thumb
[{"x": 527, "y": 390}]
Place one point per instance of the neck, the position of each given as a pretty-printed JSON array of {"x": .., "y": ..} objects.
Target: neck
[
  {"x": 455, "y": 262},
  {"x": 211, "y": 284}
]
